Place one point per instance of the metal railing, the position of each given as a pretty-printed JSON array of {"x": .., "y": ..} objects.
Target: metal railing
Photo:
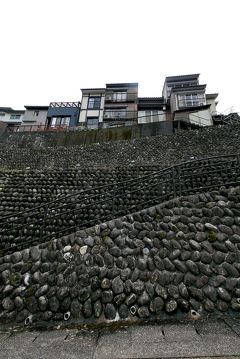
[
  {"x": 36, "y": 128},
  {"x": 93, "y": 206},
  {"x": 65, "y": 104}
]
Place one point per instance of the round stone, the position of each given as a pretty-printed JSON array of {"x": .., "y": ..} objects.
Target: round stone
[
  {"x": 123, "y": 311},
  {"x": 110, "y": 311},
  {"x": 143, "y": 312},
  {"x": 171, "y": 306},
  {"x": 117, "y": 285}
]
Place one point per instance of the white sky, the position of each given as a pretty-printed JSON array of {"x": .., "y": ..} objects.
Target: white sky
[{"x": 50, "y": 49}]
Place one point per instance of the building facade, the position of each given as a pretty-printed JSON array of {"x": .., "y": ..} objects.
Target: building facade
[
  {"x": 35, "y": 117},
  {"x": 92, "y": 108},
  {"x": 188, "y": 102},
  {"x": 63, "y": 114},
  {"x": 114, "y": 105},
  {"x": 184, "y": 102},
  {"x": 11, "y": 117}
]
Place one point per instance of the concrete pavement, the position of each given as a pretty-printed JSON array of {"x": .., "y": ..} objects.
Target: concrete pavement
[{"x": 201, "y": 339}]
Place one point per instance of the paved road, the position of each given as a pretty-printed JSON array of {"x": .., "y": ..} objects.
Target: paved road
[{"x": 208, "y": 339}]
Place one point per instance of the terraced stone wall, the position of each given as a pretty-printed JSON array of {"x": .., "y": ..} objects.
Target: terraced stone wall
[
  {"x": 163, "y": 150},
  {"x": 179, "y": 258},
  {"x": 34, "y": 206}
]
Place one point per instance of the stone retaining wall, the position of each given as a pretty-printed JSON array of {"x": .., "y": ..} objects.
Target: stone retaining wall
[
  {"x": 163, "y": 150},
  {"x": 180, "y": 257},
  {"x": 38, "y": 208}
]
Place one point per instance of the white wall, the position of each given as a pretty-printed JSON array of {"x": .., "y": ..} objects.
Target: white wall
[
  {"x": 84, "y": 112},
  {"x": 35, "y": 120},
  {"x": 212, "y": 102},
  {"x": 7, "y": 118},
  {"x": 202, "y": 117}
]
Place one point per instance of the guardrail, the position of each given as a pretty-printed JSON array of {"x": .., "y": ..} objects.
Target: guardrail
[
  {"x": 93, "y": 206},
  {"x": 35, "y": 128}
]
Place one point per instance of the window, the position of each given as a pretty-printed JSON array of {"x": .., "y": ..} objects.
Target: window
[
  {"x": 36, "y": 113},
  {"x": 94, "y": 102},
  {"x": 190, "y": 100},
  {"x": 92, "y": 122},
  {"x": 60, "y": 121},
  {"x": 15, "y": 117},
  {"x": 115, "y": 114},
  {"x": 120, "y": 96}
]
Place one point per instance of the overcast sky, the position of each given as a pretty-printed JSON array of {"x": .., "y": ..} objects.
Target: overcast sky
[{"x": 50, "y": 49}]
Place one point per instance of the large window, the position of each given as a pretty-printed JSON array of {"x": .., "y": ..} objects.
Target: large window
[
  {"x": 60, "y": 121},
  {"x": 115, "y": 114},
  {"x": 120, "y": 96},
  {"x": 190, "y": 100},
  {"x": 92, "y": 122},
  {"x": 151, "y": 116},
  {"x": 94, "y": 102},
  {"x": 15, "y": 117}
]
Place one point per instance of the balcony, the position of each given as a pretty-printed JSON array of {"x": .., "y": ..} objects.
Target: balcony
[
  {"x": 186, "y": 103},
  {"x": 120, "y": 97},
  {"x": 119, "y": 115}
]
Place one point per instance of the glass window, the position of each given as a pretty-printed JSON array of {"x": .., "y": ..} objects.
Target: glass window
[
  {"x": 94, "y": 102},
  {"x": 60, "y": 121},
  {"x": 120, "y": 96},
  {"x": 115, "y": 114},
  {"x": 15, "y": 117},
  {"x": 36, "y": 113},
  {"x": 92, "y": 122}
]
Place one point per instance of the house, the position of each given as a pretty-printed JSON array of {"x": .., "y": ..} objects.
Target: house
[
  {"x": 10, "y": 116},
  {"x": 92, "y": 108},
  {"x": 114, "y": 105},
  {"x": 35, "y": 117},
  {"x": 121, "y": 105},
  {"x": 63, "y": 114},
  {"x": 190, "y": 106},
  {"x": 152, "y": 109}
]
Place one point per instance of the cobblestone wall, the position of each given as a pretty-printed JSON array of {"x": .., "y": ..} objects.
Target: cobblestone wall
[
  {"x": 180, "y": 257},
  {"x": 163, "y": 150}
]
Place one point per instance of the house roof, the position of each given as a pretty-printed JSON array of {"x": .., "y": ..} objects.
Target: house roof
[
  {"x": 10, "y": 110},
  {"x": 211, "y": 95},
  {"x": 94, "y": 89},
  {"x": 193, "y": 108},
  {"x": 36, "y": 107},
  {"x": 151, "y": 103},
  {"x": 122, "y": 84},
  {"x": 188, "y": 88},
  {"x": 155, "y": 99},
  {"x": 181, "y": 77}
]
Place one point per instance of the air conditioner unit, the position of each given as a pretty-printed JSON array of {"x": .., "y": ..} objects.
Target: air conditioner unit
[
  {"x": 107, "y": 115},
  {"x": 109, "y": 97}
]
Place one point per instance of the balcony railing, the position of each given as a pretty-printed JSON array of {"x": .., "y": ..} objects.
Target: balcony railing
[
  {"x": 120, "y": 97},
  {"x": 65, "y": 104},
  {"x": 200, "y": 101},
  {"x": 35, "y": 128},
  {"x": 120, "y": 115}
]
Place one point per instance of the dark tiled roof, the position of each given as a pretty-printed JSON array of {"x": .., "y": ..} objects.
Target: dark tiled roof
[
  {"x": 155, "y": 99},
  {"x": 188, "y": 88},
  {"x": 181, "y": 77},
  {"x": 211, "y": 95},
  {"x": 193, "y": 108},
  {"x": 36, "y": 107},
  {"x": 10, "y": 110},
  {"x": 95, "y": 89},
  {"x": 122, "y": 84}
]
